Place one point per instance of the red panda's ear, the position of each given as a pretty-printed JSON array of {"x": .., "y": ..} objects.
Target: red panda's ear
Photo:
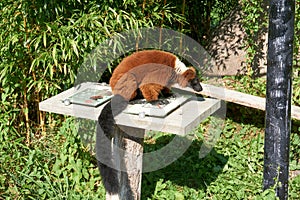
[{"x": 187, "y": 76}]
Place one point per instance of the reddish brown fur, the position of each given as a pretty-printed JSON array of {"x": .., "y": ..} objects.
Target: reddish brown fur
[
  {"x": 187, "y": 76},
  {"x": 149, "y": 71}
]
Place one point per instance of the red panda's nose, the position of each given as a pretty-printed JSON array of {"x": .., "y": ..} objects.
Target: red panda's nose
[{"x": 195, "y": 83}]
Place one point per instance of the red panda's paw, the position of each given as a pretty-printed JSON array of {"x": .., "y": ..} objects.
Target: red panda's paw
[{"x": 166, "y": 91}]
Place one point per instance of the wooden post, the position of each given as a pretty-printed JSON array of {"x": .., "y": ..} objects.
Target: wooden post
[
  {"x": 278, "y": 101},
  {"x": 129, "y": 162}
]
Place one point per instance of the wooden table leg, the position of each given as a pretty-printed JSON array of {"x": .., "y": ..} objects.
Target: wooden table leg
[{"x": 129, "y": 162}]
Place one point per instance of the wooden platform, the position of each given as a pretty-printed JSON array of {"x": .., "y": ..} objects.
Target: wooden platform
[{"x": 181, "y": 121}]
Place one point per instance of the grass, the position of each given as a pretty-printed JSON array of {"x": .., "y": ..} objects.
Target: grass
[
  {"x": 58, "y": 166},
  {"x": 55, "y": 166}
]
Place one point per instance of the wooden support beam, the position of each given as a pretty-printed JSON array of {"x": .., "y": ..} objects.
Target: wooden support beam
[
  {"x": 130, "y": 161},
  {"x": 237, "y": 97}
]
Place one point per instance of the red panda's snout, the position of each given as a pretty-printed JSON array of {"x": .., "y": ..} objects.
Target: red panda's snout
[{"x": 195, "y": 84}]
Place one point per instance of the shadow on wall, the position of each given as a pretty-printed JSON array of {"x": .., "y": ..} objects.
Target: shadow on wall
[{"x": 228, "y": 46}]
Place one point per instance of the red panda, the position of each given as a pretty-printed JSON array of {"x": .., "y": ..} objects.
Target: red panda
[{"x": 151, "y": 71}]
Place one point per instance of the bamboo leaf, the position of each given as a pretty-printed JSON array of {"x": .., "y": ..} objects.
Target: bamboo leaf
[
  {"x": 30, "y": 85},
  {"x": 54, "y": 55},
  {"x": 45, "y": 39},
  {"x": 50, "y": 67},
  {"x": 32, "y": 65},
  {"x": 36, "y": 42},
  {"x": 74, "y": 46},
  {"x": 65, "y": 68},
  {"x": 113, "y": 11}
]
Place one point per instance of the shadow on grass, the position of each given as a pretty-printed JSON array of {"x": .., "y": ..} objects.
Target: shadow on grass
[
  {"x": 245, "y": 115},
  {"x": 188, "y": 171}
]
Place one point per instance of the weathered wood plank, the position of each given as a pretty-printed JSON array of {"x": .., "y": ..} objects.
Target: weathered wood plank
[{"x": 237, "y": 97}]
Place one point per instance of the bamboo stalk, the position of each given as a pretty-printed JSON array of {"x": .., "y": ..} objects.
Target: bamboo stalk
[
  {"x": 181, "y": 25},
  {"x": 182, "y": 12},
  {"x": 26, "y": 115},
  {"x": 42, "y": 121},
  {"x": 143, "y": 6},
  {"x": 208, "y": 18},
  {"x": 25, "y": 105},
  {"x": 40, "y": 115},
  {"x": 161, "y": 24}
]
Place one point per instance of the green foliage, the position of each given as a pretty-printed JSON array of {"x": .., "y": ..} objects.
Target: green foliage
[
  {"x": 247, "y": 85},
  {"x": 58, "y": 167},
  {"x": 255, "y": 23},
  {"x": 203, "y": 16},
  {"x": 296, "y": 70}
]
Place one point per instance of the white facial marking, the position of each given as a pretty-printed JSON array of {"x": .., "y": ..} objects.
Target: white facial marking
[{"x": 180, "y": 66}]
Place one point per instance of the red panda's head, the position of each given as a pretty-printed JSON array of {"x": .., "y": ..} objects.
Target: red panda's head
[{"x": 189, "y": 77}]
